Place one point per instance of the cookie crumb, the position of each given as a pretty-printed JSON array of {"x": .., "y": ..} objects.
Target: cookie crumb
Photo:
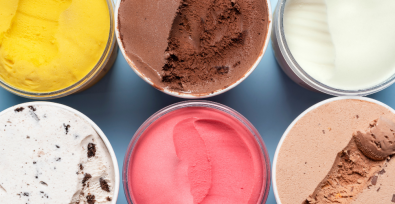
[
  {"x": 19, "y": 109},
  {"x": 104, "y": 185},
  {"x": 66, "y": 127},
  {"x": 91, "y": 150},
  {"x": 86, "y": 178},
  {"x": 90, "y": 199},
  {"x": 32, "y": 108}
]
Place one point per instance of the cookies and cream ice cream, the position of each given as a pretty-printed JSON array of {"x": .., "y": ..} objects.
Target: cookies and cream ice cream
[
  {"x": 50, "y": 155},
  {"x": 334, "y": 154},
  {"x": 49, "y": 45},
  {"x": 193, "y": 46}
]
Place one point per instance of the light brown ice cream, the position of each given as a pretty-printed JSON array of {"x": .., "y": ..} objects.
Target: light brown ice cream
[
  {"x": 311, "y": 147},
  {"x": 357, "y": 166}
]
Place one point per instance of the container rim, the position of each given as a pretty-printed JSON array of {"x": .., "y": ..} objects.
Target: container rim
[
  {"x": 95, "y": 71},
  {"x": 205, "y": 104},
  {"x": 187, "y": 95},
  {"x": 278, "y": 28},
  {"x": 289, "y": 128},
  {"x": 94, "y": 126}
]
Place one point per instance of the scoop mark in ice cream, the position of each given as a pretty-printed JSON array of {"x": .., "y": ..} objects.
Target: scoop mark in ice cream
[
  {"x": 198, "y": 39},
  {"x": 379, "y": 141},
  {"x": 361, "y": 161}
]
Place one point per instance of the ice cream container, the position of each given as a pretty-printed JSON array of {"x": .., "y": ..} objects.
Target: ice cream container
[
  {"x": 313, "y": 166},
  {"x": 323, "y": 55},
  {"x": 56, "y": 158},
  {"x": 138, "y": 62},
  {"x": 147, "y": 169},
  {"x": 103, "y": 65}
]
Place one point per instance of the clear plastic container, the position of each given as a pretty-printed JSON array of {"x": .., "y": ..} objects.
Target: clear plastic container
[
  {"x": 99, "y": 71},
  {"x": 207, "y": 104},
  {"x": 284, "y": 136},
  {"x": 290, "y": 66},
  {"x": 196, "y": 96}
]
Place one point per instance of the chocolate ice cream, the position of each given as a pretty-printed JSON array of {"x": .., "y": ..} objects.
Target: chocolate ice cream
[
  {"x": 357, "y": 166},
  {"x": 193, "y": 46}
]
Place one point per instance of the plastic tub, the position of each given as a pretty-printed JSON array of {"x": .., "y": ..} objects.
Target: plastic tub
[
  {"x": 99, "y": 70},
  {"x": 204, "y": 104}
]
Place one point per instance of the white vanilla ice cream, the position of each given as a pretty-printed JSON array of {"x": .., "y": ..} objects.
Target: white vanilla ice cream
[
  {"x": 49, "y": 155},
  {"x": 345, "y": 44}
]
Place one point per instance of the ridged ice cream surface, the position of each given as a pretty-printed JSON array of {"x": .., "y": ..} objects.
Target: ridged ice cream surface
[{"x": 49, "y": 155}]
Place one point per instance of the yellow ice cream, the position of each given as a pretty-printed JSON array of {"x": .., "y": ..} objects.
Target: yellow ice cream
[{"x": 48, "y": 45}]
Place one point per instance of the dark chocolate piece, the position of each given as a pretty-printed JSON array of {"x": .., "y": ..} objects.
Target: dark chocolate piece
[
  {"x": 90, "y": 199},
  {"x": 374, "y": 180},
  {"x": 66, "y": 127},
  {"x": 19, "y": 109},
  {"x": 86, "y": 178},
  {"x": 91, "y": 150},
  {"x": 104, "y": 185}
]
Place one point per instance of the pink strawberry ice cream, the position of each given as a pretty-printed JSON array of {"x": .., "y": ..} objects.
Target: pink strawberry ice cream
[{"x": 196, "y": 155}]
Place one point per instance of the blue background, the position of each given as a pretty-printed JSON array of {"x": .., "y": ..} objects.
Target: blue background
[{"x": 122, "y": 101}]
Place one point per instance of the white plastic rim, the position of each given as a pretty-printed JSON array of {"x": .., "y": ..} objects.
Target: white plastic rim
[
  {"x": 274, "y": 173},
  {"x": 186, "y": 95},
  {"x": 95, "y": 127}
]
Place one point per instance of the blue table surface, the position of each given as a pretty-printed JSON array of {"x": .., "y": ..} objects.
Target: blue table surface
[{"x": 122, "y": 101}]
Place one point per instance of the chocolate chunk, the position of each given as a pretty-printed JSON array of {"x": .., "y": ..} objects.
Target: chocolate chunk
[
  {"x": 25, "y": 194},
  {"x": 108, "y": 198},
  {"x": 86, "y": 178},
  {"x": 393, "y": 198},
  {"x": 90, "y": 199},
  {"x": 28, "y": 137},
  {"x": 19, "y": 109},
  {"x": 382, "y": 172},
  {"x": 66, "y": 127},
  {"x": 91, "y": 150},
  {"x": 81, "y": 167},
  {"x": 58, "y": 159},
  {"x": 104, "y": 185},
  {"x": 32, "y": 108},
  {"x": 43, "y": 183},
  {"x": 57, "y": 146},
  {"x": 374, "y": 180}
]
